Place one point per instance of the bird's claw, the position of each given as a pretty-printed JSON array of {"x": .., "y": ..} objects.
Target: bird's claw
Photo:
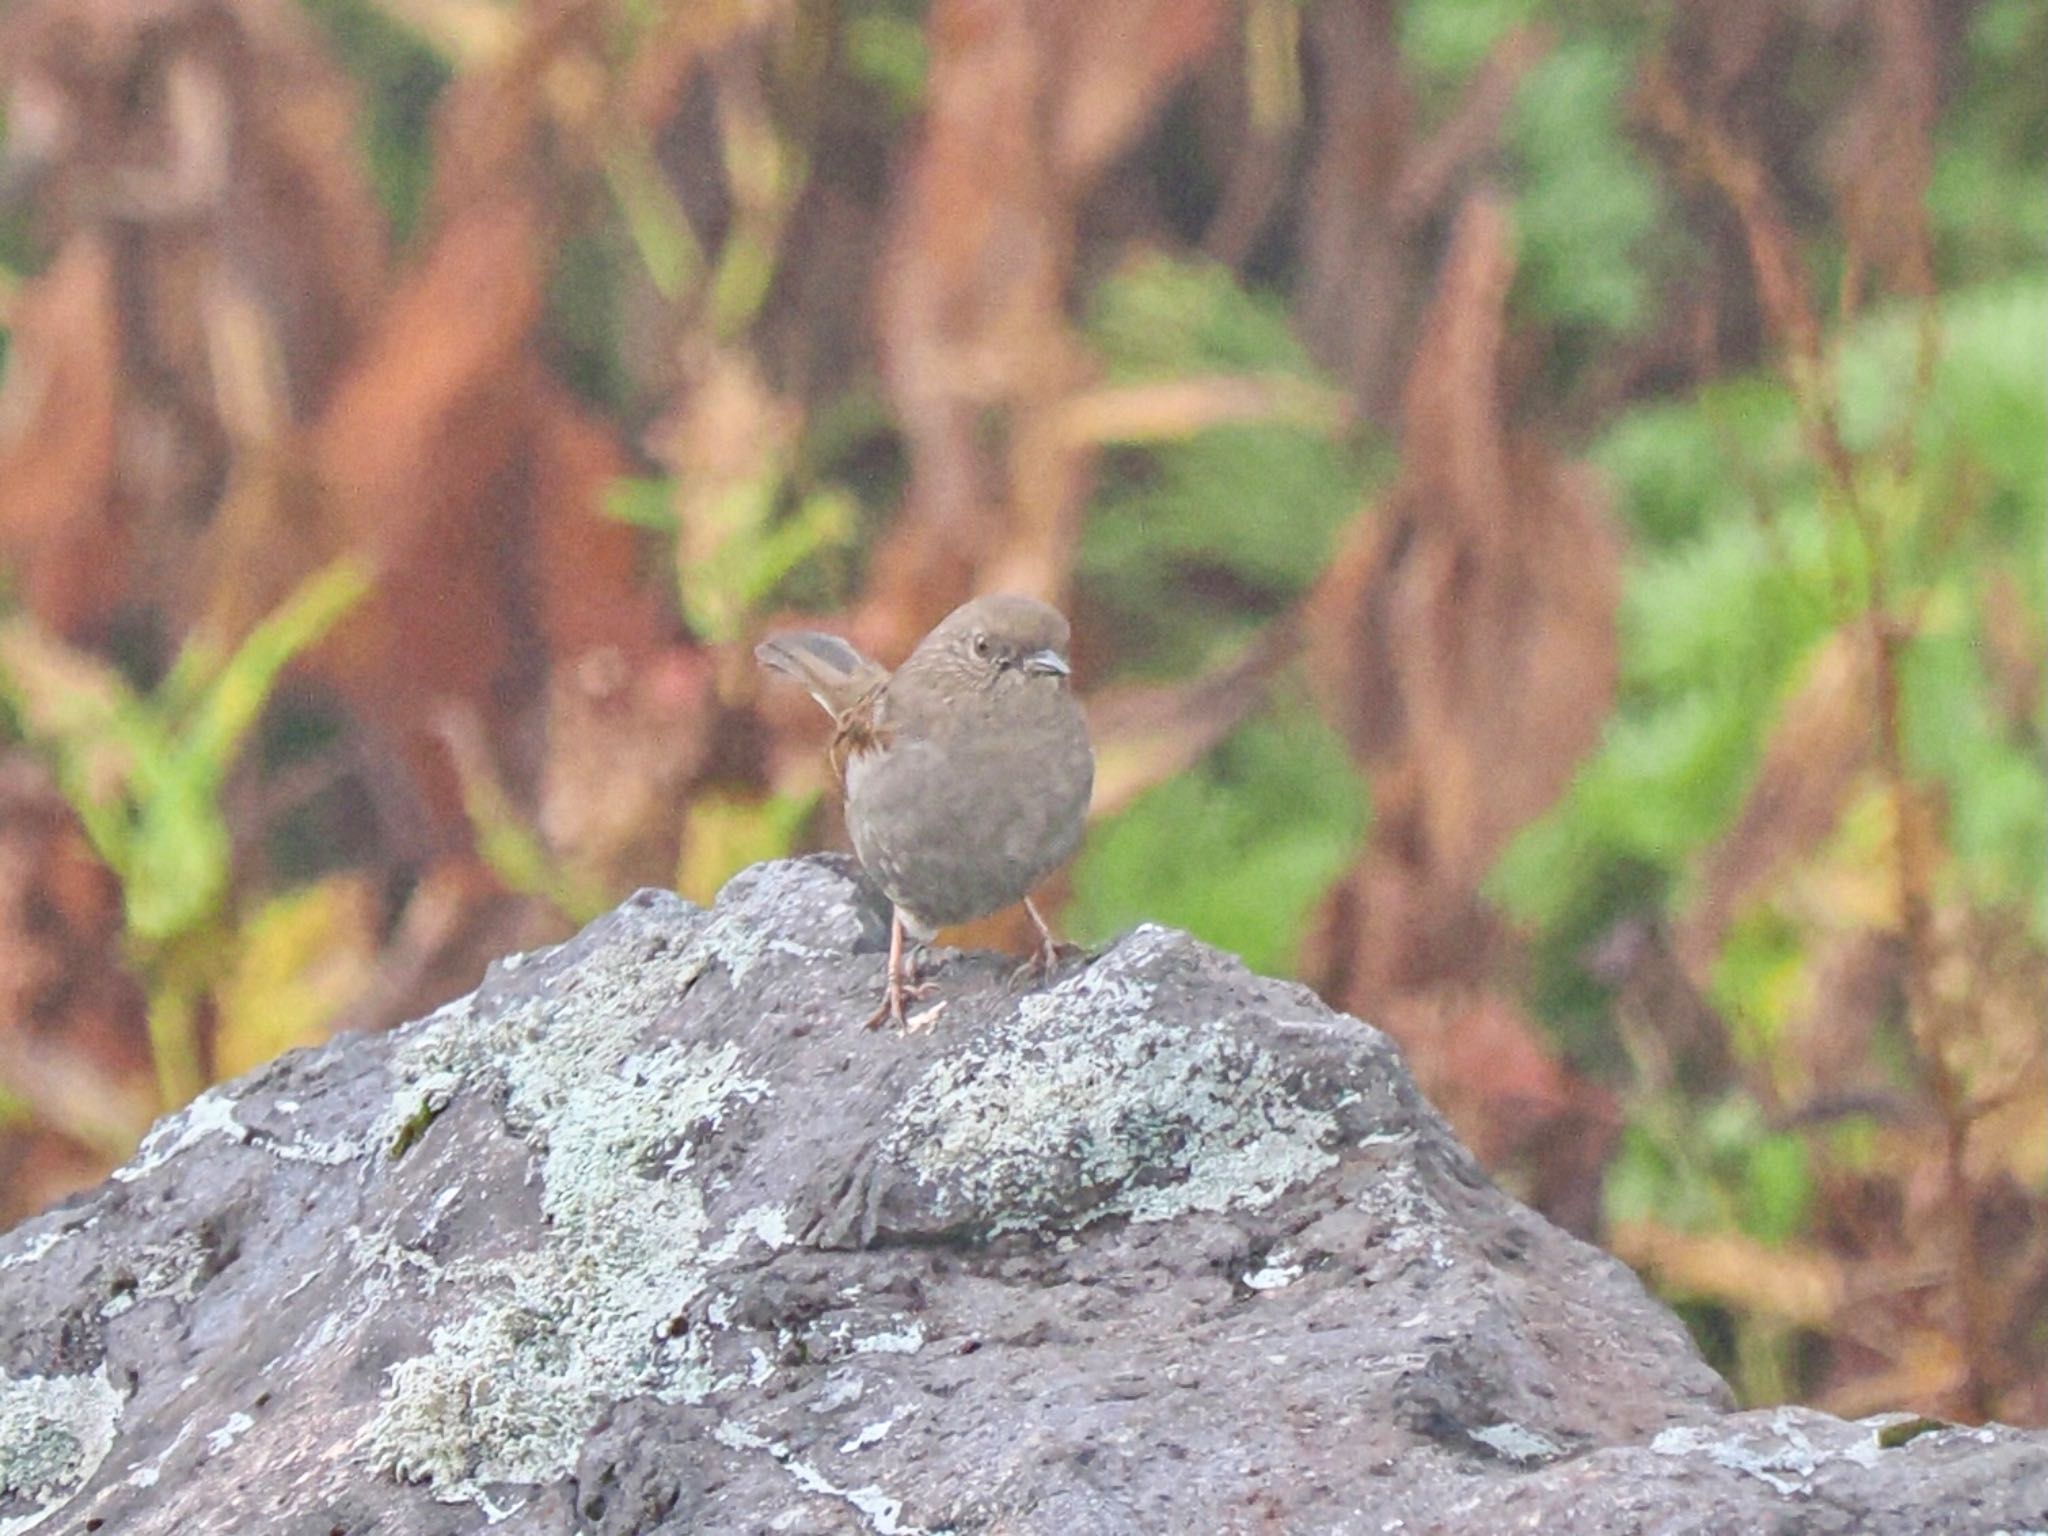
[
  {"x": 891, "y": 1011},
  {"x": 1044, "y": 961}
]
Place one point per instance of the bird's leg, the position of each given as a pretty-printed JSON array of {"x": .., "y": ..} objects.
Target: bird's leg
[
  {"x": 903, "y": 983},
  {"x": 1046, "y": 958},
  {"x": 892, "y": 1000}
]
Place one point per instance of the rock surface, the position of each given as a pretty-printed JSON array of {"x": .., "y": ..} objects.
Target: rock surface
[{"x": 649, "y": 1236}]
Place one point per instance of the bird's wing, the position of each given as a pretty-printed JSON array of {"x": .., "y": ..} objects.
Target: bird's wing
[{"x": 836, "y": 674}]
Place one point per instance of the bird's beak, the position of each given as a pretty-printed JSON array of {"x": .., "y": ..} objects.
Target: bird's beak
[{"x": 1049, "y": 663}]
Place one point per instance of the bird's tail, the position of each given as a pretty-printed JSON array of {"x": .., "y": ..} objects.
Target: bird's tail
[{"x": 837, "y": 675}]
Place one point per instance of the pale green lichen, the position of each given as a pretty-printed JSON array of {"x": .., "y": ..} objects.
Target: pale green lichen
[
  {"x": 1413, "y": 1217},
  {"x": 236, "y": 1425},
  {"x": 764, "y": 910},
  {"x": 878, "y": 1511},
  {"x": 767, "y": 1225},
  {"x": 1093, "y": 1102},
  {"x": 1778, "y": 1448},
  {"x": 54, "y": 1433},
  {"x": 1517, "y": 1443},
  {"x": 173, "y": 1269},
  {"x": 39, "y": 1247},
  {"x": 508, "y": 1393},
  {"x": 211, "y": 1114}
]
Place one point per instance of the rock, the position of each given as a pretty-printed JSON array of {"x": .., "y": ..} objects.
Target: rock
[{"x": 648, "y": 1235}]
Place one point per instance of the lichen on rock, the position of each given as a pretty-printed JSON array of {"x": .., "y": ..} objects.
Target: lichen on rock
[
  {"x": 507, "y": 1391},
  {"x": 1092, "y": 1101},
  {"x": 54, "y": 1433}
]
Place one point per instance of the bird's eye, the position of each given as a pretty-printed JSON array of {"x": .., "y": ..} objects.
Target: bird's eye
[{"x": 981, "y": 645}]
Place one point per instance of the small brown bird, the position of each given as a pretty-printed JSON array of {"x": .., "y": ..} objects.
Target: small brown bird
[{"x": 967, "y": 771}]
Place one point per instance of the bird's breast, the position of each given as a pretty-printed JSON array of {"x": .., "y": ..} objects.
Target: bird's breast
[{"x": 962, "y": 819}]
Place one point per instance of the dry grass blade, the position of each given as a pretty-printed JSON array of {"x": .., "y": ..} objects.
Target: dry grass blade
[{"x": 1176, "y": 408}]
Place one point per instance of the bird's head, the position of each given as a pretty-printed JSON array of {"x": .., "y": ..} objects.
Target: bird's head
[{"x": 1002, "y": 639}]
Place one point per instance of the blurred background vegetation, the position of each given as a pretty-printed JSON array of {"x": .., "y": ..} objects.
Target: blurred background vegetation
[{"x": 1551, "y": 496}]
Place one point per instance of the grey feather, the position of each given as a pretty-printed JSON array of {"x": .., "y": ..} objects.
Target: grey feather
[{"x": 837, "y": 675}]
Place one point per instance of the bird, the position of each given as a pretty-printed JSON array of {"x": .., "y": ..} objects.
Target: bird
[{"x": 966, "y": 772}]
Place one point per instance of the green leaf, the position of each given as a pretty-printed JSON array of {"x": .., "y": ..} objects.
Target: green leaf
[
  {"x": 727, "y": 833},
  {"x": 1450, "y": 39},
  {"x": 145, "y": 775},
  {"x": 644, "y": 503},
  {"x": 299, "y": 957},
  {"x": 1777, "y": 1188},
  {"x": 1995, "y": 782},
  {"x": 1742, "y": 570},
  {"x": 1586, "y": 200},
  {"x": 176, "y": 876},
  {"x": 407, "y": 77},
  {"x": 661, "y": 232},
  {"x": 1760, "y": 979},
  {"x": 231, "y": 707},
  {"x": 888, "y": 51},
  {"x": 825, "y": 520},
  {"x": 1988, "y": 204}
]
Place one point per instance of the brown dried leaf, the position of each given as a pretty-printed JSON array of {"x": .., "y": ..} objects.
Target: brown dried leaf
[
  {"x": 39, "y": 1167},
  {"x": 415, "y": 459},
  {"x": 1376, "y": 179},
  {"x": 1739, "y": 175},
  {"x": 73, "y": 1042},
  {"x": 1433, "y": 168},
  {"x": 1856, "y": 985},
  {"x": 1116, "y": 63},
  {"x": 1882, "y": 158},
  {"x": 1358, "y": 291},
  {"x": 451, "y": 461},
  {"x": 61, "y": 535},
  {"x": 1544, "y": 1130},
  {"x": 1170, "y": 409},
  {"x": 2014, "y": 647},
  {"x": 584, "y": 566},
  {"x": 1823, "y": 740},
  {"x": 1464, "y": 639},
  {"x": 626, "y": 745}
]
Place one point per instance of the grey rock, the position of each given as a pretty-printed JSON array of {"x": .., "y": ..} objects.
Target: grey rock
[{"x": 649, "y": 1236}]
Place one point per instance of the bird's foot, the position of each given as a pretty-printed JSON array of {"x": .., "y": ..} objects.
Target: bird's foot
[
  {"x": 903, "y": 989},
  {"x": 1045, "y": 960},
  {"x": 1047, "y": 957},
  {"x": 904, "y": 985}
]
